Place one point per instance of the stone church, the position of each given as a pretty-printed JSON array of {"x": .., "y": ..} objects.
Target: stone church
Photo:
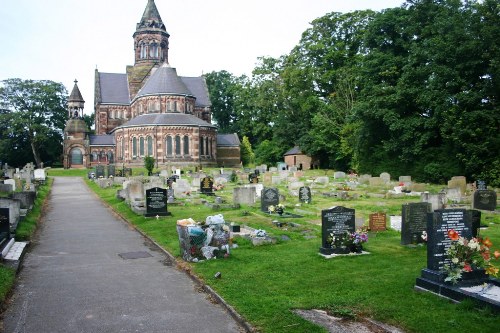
[{"x": 148, "y": 111}]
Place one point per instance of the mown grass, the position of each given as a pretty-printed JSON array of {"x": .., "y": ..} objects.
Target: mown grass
[{"x": 266, "y": 283}]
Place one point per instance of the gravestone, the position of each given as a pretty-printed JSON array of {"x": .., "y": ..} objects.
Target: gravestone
[
  {"x": 386, "y": 177},
  {"x": 405, "y": 179},
  {"x": 99, "y": 171},
  {"x": 322, "y": 180},
  {"x": 281, "y": 166},
  {"x": 4, "y": 226},
  {"x": 244, "y": 195},
  {"x": 305, "y": 194},
  {"x": 481, "y": 185},
  {"x": 338, "y": 174},
  {"x": 273, "y": 169},
  {"x": 275, "y": 180},
  {"x": 14, "y": 207},
  {"x": 156, "y": 202},
  {"x": 395, "y": 222},
  {"x": 135, "y": 191},
  {"x": 10, "y": 182},
  {"x": 336, "y": 220},
  {"x": 414, "y": 222},
  {"x": 375, "y": 181},
  {"x": 437, "y": 201},
  {"x": 207, "y": 186},
  {"x": 7, "y": 188},
  {"x": 170, "y": 193},
  {"x": 269, "y": 197},
  {"x": 127, "y": 172},
  {"x": 378, "y": 222},
  {"x": 458, "y": 182},
  {"x": 26, "y": 199},
  {"x": 111, "y": 170},
  {"x": 364, "y": 179},
  {"x": 475, "y": 219},
  {"x": 40, "y": 174},
  {"x": 484, "y": 200}
]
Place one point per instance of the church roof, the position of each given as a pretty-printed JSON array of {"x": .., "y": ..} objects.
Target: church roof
[
  {"x": 198, "y": 87},
  {"x": 165, "y": 119},
  {"x": 102, "y": 140},
  {"x": 228, "y": 140},
  {"x": 294, "y": 151},
  {"x": 151, "y": 17},
  {"x": 76, "y": 95},
  {"x": 114, "y": 88},
  {"x": 164, "y": 80}
]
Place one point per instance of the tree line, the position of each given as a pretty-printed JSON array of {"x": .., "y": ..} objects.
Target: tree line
[{"x": 408, "y": 90}]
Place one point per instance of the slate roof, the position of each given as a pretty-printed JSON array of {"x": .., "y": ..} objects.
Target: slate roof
[
  {"x": 294, "y": 151},
  {"x": 114, "y": 88},
  {"x": 167, "y": 119},
  {"x": 76, "y": 95},
  {"x": 228, "y": 140},
  {"x": 102, "y": 140},
  {"x": 164, "y": 80},
  {"x": 151, "y": 17},
  {"x": 198, "y": 88}
]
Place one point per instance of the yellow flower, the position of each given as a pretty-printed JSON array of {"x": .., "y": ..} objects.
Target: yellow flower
[{"x": 492, "y": 270}]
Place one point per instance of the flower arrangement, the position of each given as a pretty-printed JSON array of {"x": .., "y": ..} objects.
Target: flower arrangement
[
  {"x": 466, "y": 255},
  {"x": 348, "y": 241},
  {"x": 279, "y": 209}
]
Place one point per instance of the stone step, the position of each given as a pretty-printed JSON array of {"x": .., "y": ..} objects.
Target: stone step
[{"x": 15, "y": 252}]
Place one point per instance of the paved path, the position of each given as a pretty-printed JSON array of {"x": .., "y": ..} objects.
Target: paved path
[{"x": 73, "y": 279}]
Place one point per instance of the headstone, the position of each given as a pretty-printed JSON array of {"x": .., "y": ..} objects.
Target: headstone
[
  {"x": 135, "y": 191},
  {"x": 295, "y": 185},
  {"x": 481, "y": 185},
  {"x": 484, "y": 200},
  {"x": 292, "y": 168},
  {"x": 339, "y": 174},
  {"x": 26, "y": 198},
  {"x": 253, "y": 178},
  {"x": 6, "y": 188},
  {"x": 437, "y": 201},
  {"x": 275, "y": 180},
  {"x": 14, "y": 207},
  {"x": 375, "y": 181},
  {"x": 377, "y": 222},
  {"x": 273, "y": 169},
  {"x": 405, "y": 179},
  {"x": 386, "y": 178},
  {"x": 10, "y": 182},
  {"x": 156, "y": 202},
  {"x": 99, "y": 171},
  {"x": 281, "y": 166},
  {"x": 458, "y": 182},
  {"x": 438, "y": 241},
  {"x": 322, "y": 180},
  {"x": 305, "y": 194},
  {"x": 170, "y": 193},
  {"x": 40, "y": 174},
  {"x": 336, "y": 220},
  {"x": 359, "y": 222},
  {"x": 4, "y": 226},
  {"x": 207, "y": 186},
  {"x": 454, "y": 195},
  {"x": 475, "y": 219},
  {"x": 395, "y": 221},
  {"x": 164, "y": 173},
  {"x": 111, "y": 170},
  {"x": 364, "y": 179},
  {"x": 244, "y": 195},
  {"x": 414, "y": 222},
  {"x": 269, "y": 197}
]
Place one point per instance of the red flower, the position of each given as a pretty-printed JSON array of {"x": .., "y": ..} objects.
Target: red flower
[
  {"x": 453, "y": 235},
  {"x": 467, "y": 268},
  {"x": 486, "y": 255},
  {"x": 497, "y": 254},
  {"x": 487, "y": 242}
]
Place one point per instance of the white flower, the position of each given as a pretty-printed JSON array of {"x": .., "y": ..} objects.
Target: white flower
[
  {"x": 473, "y": 244},
  {"x": 461, "y": 241},
  {"x": 454, "y": 260}
]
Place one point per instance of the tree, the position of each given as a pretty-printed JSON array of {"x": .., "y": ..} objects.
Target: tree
[
  {"x": 35, "y": 111},
  {"x": 149, "y": 164},
  {"x": 247, "y": 155}
]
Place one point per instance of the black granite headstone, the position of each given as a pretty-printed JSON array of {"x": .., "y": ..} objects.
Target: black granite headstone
[
  {"x": 481, "y": 185},
  {"x": 438, "y": 242},
  {"x": 207, "y": 186},
  {"x": 336, "y": 220},
  {"x": 414, "y": 222},
  {"x": 270, "y": 197},
  {"x": 4, "y": 225},
  {"x": 156, "y": 202},
  {"x": 111, "y": 170},
  {"x": 484, "y": 200},
  {"x": 99, "y": 171},
  {"x": 475, "y": 219},
  {"x": 305, "y": 194}
]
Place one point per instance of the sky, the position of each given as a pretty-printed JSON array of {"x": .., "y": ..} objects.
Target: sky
[{"x": 64, "y": 40}]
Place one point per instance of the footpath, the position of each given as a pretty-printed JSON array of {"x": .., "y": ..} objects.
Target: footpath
[{"x": 87, "y": 271}]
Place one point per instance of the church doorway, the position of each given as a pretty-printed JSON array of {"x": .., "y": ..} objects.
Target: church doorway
[{"x": 76, "y": 157}]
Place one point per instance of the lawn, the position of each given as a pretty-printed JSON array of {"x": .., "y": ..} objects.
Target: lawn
[{"x": 264, "y": 284}]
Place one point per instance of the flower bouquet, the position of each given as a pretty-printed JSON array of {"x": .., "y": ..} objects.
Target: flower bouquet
[
  {"x": 278, "y": 209},
  {"x": 468, "y": 255},
  {"x": 348, "y": 241}
]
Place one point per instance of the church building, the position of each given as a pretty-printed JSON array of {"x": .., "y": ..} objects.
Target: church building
[{"x": 148, "y": 111}]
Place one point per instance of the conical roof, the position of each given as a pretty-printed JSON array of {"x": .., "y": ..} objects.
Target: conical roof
[
  {"x": 151, "y": 17},
  {"x": 76, "y": 95},
  {"x": 164, "y": 81}
]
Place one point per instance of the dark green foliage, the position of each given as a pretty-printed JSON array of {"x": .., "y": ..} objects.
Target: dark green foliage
[
  {"x": 149, "y": 164},
  {"x": 247, "y": 155}
]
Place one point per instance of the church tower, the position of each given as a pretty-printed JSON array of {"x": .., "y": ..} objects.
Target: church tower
[{"x": 150, "y": 47}]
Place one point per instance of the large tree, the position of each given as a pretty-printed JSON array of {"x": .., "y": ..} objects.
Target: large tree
[{"x": 35, "y": 112}]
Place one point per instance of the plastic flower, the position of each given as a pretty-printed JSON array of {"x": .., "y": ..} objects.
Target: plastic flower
[
  {"x": 496, "y": 254},
  {"x": 453, "y": 235},
  {"x": 492, "y": 270},
  {"x": 467, "y": 268},
  {"x": 487, "y": 242}
]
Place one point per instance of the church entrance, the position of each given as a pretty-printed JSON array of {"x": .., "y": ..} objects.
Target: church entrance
[{"x": 76, "y": 157}]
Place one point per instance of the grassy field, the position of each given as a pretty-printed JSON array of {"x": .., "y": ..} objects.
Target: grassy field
[{"x": 264, "y": 284}]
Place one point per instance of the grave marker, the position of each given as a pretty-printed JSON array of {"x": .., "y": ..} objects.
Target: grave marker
[
  {"x": 99, "y": 171},
  {"x": 484, "y": 200},
  {"x": 4, "y": 225},
  {"x": 305, "y": 194},
  {"x": 269, "y": 197},
  {"x": 378, "y": 222},
  {"x": 481, "y": 185},
  {"x": 336, "y": 220},
  {"x": 207, "y": 185},
  {"x": 156, "y": 202},
  {"x": 414, "y": 222}
]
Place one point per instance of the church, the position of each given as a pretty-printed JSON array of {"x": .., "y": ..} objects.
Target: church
[{"x": 147, "y": 111}]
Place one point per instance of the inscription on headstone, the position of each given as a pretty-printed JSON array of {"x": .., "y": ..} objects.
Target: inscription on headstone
[
  {"x": 414, "y": 222},
  {"x": 111, "y": 170},
  {"x": 207, "y": 186},
  {"x": 99, "y": 171},
  {"x": 378, "y": 222},
  {"x": 269, "y": 197},
  {"x": 485, "y": 200},
  {"x": 156, "y": 202},
  {"x": 336, "y": 220},
  {"x": 438, "y": 241},
  {"x": 305, "y": 194},
  {"x": 481, "y": 185}
]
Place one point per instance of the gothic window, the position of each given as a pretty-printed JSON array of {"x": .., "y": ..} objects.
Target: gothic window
[
  {"x": 134, "y": 148},
  {"x": 202, "y": 144},
  {"x": 157, "y": 106},
  {"x": 186, "y": 145},
  {"x": 141, "y": 146},
  {"x": 150, "y": 146},
  {"x": 169, "y": 146}
]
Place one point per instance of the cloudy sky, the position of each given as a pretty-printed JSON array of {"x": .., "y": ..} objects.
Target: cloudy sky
[{"x": 64, "y": 40}]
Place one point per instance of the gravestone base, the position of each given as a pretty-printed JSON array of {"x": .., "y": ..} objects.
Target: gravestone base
[
  {"x": 158, "y": 214},
  {"x": 433, "y": 281},
  {"x": 335, "y": 255}
]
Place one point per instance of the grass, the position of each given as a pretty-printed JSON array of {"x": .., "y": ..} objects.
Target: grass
[{"x": 264, "y": 284}]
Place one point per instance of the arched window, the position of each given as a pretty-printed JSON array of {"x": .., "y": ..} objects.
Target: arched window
[
  {"x": 207, "y": 151},
  {"x": 134, "y": 148},
  {"x": 143, "y": 51},
  {"x": 169, "y": 146},
  {"x": 153, "y": 50},
  {"x": 177, "y": 145},
  {"x": 76, "y": 156},
  {"x": 150, "y": 146},
  {"x": 175, "y": 106},
  {"x": 169, "y": 106},
  {"x": 186, "y": 145},
  {"x": 111, "y": 157},
  {"x": 157, "y": 106},
  {"x": 140, "y": 109},
  {"x": 141, "y": 146},
  {"x": 202, "y": 145}
]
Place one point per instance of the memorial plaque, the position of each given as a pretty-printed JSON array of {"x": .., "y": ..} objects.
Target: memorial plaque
[
  {"x": 305, "y": 194},
  {"x": 484, "y": 200},
  {"x": 414, "y": 222},
  {"x": 4, "y": 225},
  {"x": 156, "y": 202},
  {"x": 378, "y": 222},
  {"x": 99, "y": 171},
  {"x": 269, "y": 197},
  {"x": 207, "y": 186},
  {"x": 336, "y": 220},
  {"x": 438, "y": 241}
]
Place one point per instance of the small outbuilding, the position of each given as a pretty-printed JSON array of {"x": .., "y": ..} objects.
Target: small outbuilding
[{"x": 295, "y": 157}]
